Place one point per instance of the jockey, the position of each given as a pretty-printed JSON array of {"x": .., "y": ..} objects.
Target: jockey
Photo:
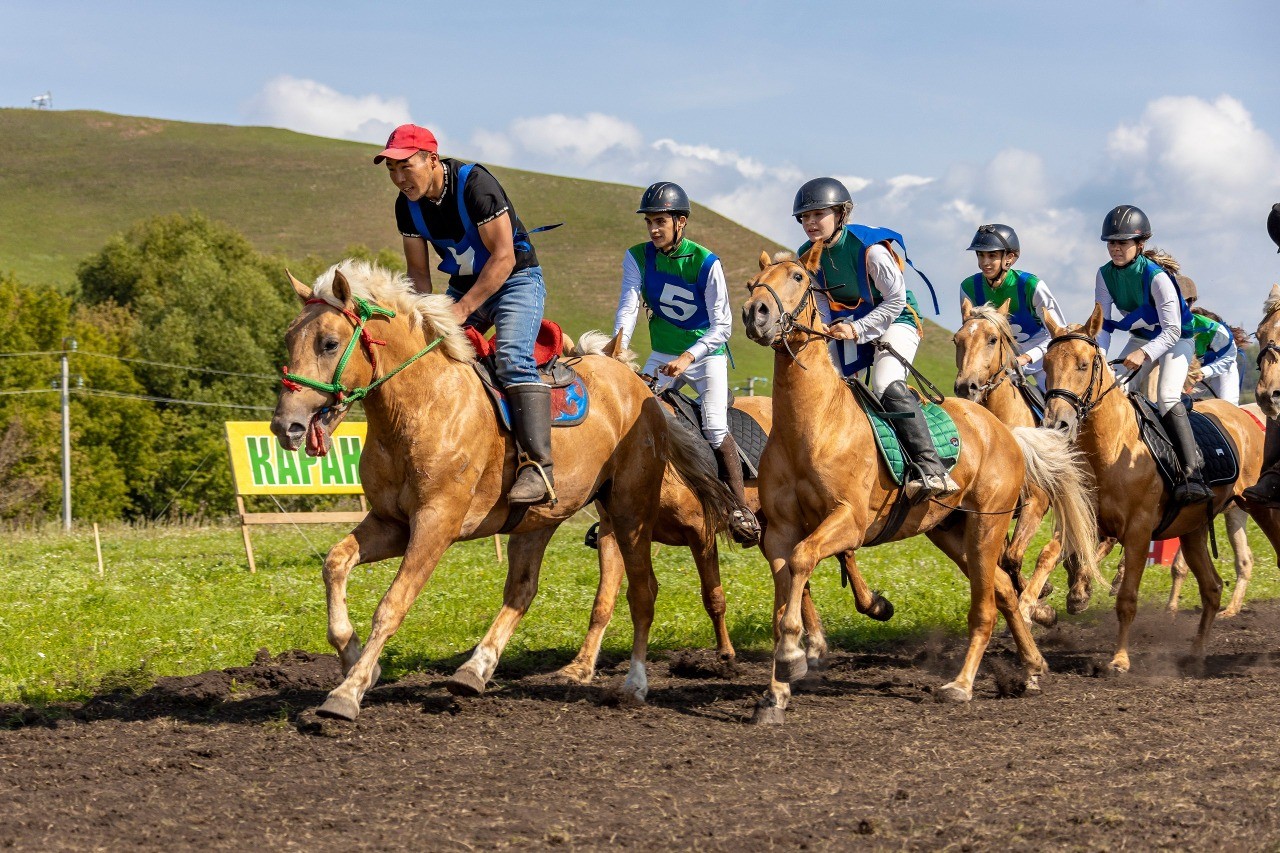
[
  {"x": 683, "y": 285},
  {"x": 868, "y": 301},
  {"x": 1266, "y": 492},
  {"x": 1215, "y": 344},
  {"x": 1028, "y": 296},
  {"x": 1160, "y": 332},
  {"x": 494, "y": 279}
]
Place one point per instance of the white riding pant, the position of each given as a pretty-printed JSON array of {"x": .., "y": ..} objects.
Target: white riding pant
[
  {"x": 1226, "y": 385},
  {"x": 1174, "y": 365},
  {"x": 709, "y": 376},
  {"x": 885, "y": 369}
]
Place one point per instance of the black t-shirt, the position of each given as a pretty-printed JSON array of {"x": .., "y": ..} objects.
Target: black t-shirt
[{"x": 485, "y": 199}]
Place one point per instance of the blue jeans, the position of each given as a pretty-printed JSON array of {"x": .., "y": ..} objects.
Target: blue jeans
[{"x": 516, "y": 311}]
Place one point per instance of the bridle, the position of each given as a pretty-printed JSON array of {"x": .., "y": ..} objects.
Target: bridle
[
  {"x": 1083, "y": 405},
  {"x": 345, "y": 396},
  {"x": 787, "y": 322},
  {"x": 1010, "y": 370}
]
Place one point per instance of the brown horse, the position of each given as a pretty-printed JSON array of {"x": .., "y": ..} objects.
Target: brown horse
[
  {"x": 436, "y": 466},
  {"x": 986, "y": 372},
  {"x": 1131, "y": 494},
  {"x": 825, "y": 492}
]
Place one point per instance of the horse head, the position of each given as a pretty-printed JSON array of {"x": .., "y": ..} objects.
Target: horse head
[
  {"x": 316, "y": 342},
  {"x": 1076, "y": 372},
  {"x": 1268, "y": 391},
  {"x": 781, "y": 296},
  {"x": 985, "y": 350}
]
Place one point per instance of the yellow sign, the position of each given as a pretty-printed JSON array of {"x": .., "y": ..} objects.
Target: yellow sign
[{"x": 262, "y": 467}]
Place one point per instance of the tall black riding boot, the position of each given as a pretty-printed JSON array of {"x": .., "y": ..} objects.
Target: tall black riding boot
[
  {"x": 743, "y": 526},
  {"x": 913, "y": 432},
  {"x": 531, "y": 422},
  {"x": 1266, "y": 492},
  {"x": 1192, "y": 489}
]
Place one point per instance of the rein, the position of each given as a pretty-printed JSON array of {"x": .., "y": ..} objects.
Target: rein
[
  {"x": 1082, "y": 405},
  {"x": 365, "y": 310},
  {"x": 787, "y": 322}
]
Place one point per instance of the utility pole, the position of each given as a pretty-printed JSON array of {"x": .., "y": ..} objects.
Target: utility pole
[{"x": 68, "y": 346}]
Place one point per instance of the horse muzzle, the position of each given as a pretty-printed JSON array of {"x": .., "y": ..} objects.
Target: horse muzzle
[
  {"x": 1268, "y": 400},
  {"x": 759, "y": 323},
  {"x": 969, "y": 390}
]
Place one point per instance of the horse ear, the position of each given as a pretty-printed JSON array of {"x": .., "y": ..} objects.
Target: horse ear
[
  {"x": 1094, "y": 325},
  {"x": 341, "y": 289},
  {"x": 1004, "y": 308},
  {"x": 812, "y": 259},
  {"x": 304, "y": 292},
  {"x": 764, "y": 260},
  {"x": 1274, "y": 295},
  {"x": 1052, "y": 325},
  {"x": 614, "y": 348},
  {"x": 966, "y": 310}
]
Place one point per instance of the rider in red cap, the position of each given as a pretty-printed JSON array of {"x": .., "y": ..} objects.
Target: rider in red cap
[{"x": 462, "y": 211}]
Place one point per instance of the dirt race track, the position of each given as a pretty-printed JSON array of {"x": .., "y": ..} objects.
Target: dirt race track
[{"x": 1172, "y": 755}]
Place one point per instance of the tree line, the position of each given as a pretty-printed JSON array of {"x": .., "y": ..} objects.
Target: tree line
[{"x": 173, "y": 290}]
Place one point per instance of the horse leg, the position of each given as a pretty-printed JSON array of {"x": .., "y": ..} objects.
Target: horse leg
[
  {"x": 1195, "y": 545},
  {"x": 1029, "y": 602},
  {"x": 372, "y": 540},
  {"x": 642, "y": 589},
  {"x": 1135, "y": 562},
  {"x": 777, "y": 544},
  {"x": 524, "y": 560},
  {"x": 815, "y": 637},
  {"x": 1080, "y": 584},
  {"x": 706, "y": 556},
  {"x": 583, "y": 667},
  {"x": 1236, "y": 520},
  {"x": 427, "y": 543},
  {"x": 868, "y": 602},
  {"x": 1178, "y": 576},
  {"x": 1013, "y": 555}
]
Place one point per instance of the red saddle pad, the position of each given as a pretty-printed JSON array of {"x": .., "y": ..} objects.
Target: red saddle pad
[{"x": 548, "y": 345}]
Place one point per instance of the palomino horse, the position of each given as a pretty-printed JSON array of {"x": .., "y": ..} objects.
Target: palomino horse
[
  {"x": 1080, "y": 404},
  {"x": 986, "y": 373},
  {"x": 825, "y": 492},
  {"x": 436, "y": 466}
]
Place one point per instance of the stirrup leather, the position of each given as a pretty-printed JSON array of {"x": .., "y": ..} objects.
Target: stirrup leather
[{"x": 526, "y": 462}]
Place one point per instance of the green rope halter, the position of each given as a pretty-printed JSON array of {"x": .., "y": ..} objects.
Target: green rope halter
[{"x": 365, "y": 310}]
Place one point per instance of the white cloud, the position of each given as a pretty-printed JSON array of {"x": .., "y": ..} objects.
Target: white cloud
[
  {"x": 311, "y": 107},
  {"x": 579, "y": 139}
]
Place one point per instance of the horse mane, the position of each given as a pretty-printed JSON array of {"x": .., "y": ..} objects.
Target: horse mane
[
  {"x": 783, "y": 256},
  {"x": 596, "y": 342},
  {"x": 992, "y": 314},
  {"x": 433, "y": 313},
  {"x": 1270, "y": 306},
  {"x": 1164, "y": 259}
]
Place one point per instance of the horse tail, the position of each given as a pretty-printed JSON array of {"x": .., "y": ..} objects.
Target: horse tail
[
  {"x": 1060, "y": 469},
  {"x": 596, "y": 342},
  {"x": 689, "y": 461}
]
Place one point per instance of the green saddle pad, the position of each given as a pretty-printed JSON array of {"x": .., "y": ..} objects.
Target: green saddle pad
[{"x": 946, "y": 439}]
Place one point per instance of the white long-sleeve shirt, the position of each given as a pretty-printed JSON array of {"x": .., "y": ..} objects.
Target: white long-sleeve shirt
[
  {"x": 1222, "y": 337},
  {"x": 1165, "y": 297},
  {"x": 886, "y": 278},
  {"x": 716, "y": 295}
]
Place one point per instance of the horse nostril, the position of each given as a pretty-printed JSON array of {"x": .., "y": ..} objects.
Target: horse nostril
[{"x": 296, "y": 429}]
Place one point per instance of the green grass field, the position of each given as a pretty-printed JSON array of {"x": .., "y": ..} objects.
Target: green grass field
[
  {"x": 71, "y": 180},
  {"x": 176, "y": 600}
]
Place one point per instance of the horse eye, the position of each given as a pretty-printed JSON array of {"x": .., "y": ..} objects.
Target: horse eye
[
  {"x": 992, "y": 342},
  {"x": 331, "y": 345},
  {"x": 797, "y": 276},
  {"x": 1082, "y": 366}
]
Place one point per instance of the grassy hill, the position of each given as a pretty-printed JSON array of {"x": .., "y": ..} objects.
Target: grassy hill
[{"x": 70, "y": 180}]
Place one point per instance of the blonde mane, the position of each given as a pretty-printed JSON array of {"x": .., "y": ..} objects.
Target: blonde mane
[
  {"x": 433, "y": 313},
  {"x": 1270, "y": 307},
  {"x": 992, "y": 314}
]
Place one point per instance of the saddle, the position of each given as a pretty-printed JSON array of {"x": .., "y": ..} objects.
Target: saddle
[
  {"x": 569, "y": 399},
  {"x": 1221, "y": 459},
  {"x": 747, "y": 433},
  {"x": 1034, "y": 398},
  {"x": 942, "y": 429}
]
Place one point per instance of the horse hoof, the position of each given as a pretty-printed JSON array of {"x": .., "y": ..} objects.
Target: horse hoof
[
  {"x": 881, "y": 608},
  {"x": 1043, "y": 614},
  {"x": 1228, "y": 613},
  {"x": 952, "y": 693},
  {"x": 575, "y": 674},
  {"x": 339, "y": 708},
  {"x": 464, "y": 682},
  {"x": 1076, "y": 606},
  {"x": 768, "y": 715},
  {"x": 790, "y": 670},
  {"x": 1046, "y": 590},
  {"x": 1033, "y": 685}
]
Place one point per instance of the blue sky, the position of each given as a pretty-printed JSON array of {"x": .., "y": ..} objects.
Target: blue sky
[{"x": 939, "y": 116}]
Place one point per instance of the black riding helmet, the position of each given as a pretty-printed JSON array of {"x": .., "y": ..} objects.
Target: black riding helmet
[
  {"x": 819, "y": 194},
  {"x": 665, "y": 197},
  {"x": 1273, "y": 225},
  {"x": 1126, "y": 222},
  {"x": 995, "y": 238}
]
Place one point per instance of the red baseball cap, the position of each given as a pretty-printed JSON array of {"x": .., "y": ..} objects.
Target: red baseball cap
[{"x": 405, "y": 141}]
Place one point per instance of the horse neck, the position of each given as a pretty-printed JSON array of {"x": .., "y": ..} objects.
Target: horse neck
[
  {"x": 1110, "y": 430},
  {"x": 805, "y": 388},
  {"x": 1006, "y": 403},
  {"x": 420, "y": 386}
]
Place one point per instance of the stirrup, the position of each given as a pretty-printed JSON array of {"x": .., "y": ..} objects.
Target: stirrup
[
  {"x": 1192, "y": 491},
  {"x": 549, "y": 497}
]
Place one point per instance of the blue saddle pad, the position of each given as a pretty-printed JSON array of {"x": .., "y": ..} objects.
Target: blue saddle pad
[{"x": 568, "y": 405}]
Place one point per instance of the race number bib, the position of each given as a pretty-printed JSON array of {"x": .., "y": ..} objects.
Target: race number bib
[{"x": 677, "y": 302}]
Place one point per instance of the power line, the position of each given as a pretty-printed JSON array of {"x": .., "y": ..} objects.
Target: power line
[
  {"x": 97, "y": 392},
  {"x": 171, "y": 365},
  {"x": 31, "y": 391}
]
